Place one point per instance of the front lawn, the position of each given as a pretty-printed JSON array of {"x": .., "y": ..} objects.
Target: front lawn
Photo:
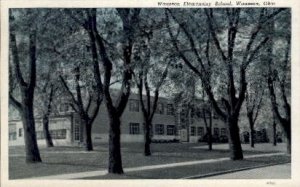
[{"x": 62, "y": 160}]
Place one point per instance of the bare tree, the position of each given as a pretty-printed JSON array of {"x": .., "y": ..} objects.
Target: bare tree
[
  {"x": 45, "y": 117},
  {"x": 235, "y": 95},
  {"x": 86, "y": 110},
  {"x": 149, "y": 105},
  {"x": 129, "y": 19},
  {"x": 278, "y": 80},
  {"x": 208, "y": 124},
  {"x": 26, "y": 88},
  {"x": 253, "y": 105}
]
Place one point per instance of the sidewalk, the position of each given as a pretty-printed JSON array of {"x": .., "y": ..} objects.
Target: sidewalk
[
  {"x": 281, "y": 147},
  {"x": 282, "y": 171}
]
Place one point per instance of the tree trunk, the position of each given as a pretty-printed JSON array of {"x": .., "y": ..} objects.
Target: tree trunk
[
  {"x": 115, "y": 161},
  {"x": 188, "y": 124},
  {"x": 31, "y": 147},
  {"x": 88, "y": 136},
  {"x": 209, "y": 138},
  {"x": 287, "y": 132},
  {"x": 210, "y": 129},
  {"x": 274, "y": 133},
  {"x": 236, "y": 152},
  {"x": 147, "y": 150},
  {"x": 47, "y": 135},
  {"x": 289, "y": 146},
  {"x": 252, "y": 138}
]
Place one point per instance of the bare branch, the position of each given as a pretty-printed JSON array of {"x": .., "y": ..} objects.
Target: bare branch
[
  {"x": 15, "y": 59},
  {"x": 32, "y": 63},
  {"x": 206, "y": 84},
  {"x": 68, "y": 89},
  {"x": 210, "y": 21},
  {"x": 15, "y": 103}
]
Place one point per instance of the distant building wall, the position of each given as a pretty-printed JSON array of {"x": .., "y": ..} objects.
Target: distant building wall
[
  {"x": 66, "y": 129},
  {"x": 60, "y": 129}
]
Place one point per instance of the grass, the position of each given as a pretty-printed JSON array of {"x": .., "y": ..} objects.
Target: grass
[
  {"x": 61, "y": 160},
  {"x": 201, "y": 169}
]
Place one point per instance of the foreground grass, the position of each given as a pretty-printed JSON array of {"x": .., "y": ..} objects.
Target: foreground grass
[
  {"x": 198, "y": 169},
  {"x": 62, "y": 160}
]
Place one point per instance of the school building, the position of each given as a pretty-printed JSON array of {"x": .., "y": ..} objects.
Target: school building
[{"x": 170, "y": 123}]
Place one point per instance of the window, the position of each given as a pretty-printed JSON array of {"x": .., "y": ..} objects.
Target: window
[
  {"x": 193, "y": 131},
  {"x": 55, "y": 134},
  {"x": 170, "y": 109},
  {"x": 76, "y": 133},
  {"x": 134, "y": 128},
  {"x": 193, "y": 112},
  {"x": 20, "y": 132},
  {"x": 12, "y": 136},
  {"x": 170, "y": 130},
  {"x": 59, "y": 134},
  {"x": 12, "y": 131},
  {"x": 215, "y": 116},
  {"x": 183, "y": 119},
  {"x": 216, "y": 131},
  {"x": 183, "y": 111},
  {"x": 223, "y": 131},
  {"x": 134, "y": 105},
  {"x": 199, "y": 113},
  {"x": 200, "y": 131},
  {"x": 64, "y": 107},
  {"x": 160, "y": 108},
  {"x": 159, "y": 129}
]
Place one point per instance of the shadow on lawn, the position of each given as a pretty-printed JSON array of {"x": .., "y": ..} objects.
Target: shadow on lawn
[{"x": 72, "y": 164}]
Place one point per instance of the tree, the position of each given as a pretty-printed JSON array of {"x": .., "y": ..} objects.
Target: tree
[
  {"x": 47, "y": 109},
  {"x": 182, "y": 88},
  {"x": 94, "y": 91},
  {"x": 46, "y": 92},
  {"x": 129, "y": 20},
  {"x": 208, "y": 124},
  {"x": 149, "y": 105},
  {"x": 67, "y": 48},
  {"x": 254, "y": 99},
  {"x": 151, "y": 68},
  {"x": 86, "y": 110},
  {"x": 26, "y": 87},
  {"x": 278, "y": 77},
  {"x": 235, "y": 73},
  {"x": 274, "y": 130}
]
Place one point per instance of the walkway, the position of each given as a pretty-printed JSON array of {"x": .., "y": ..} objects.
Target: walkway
[
  {"x": 144, "y": 168},
  {"x": 281, "y": 147},
  {"x": 282, "y": 171}
]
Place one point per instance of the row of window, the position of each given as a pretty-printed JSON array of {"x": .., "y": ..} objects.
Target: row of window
[
  {"x": 55, "y": 134},
  {"x": 134, "y": 106},
  {"x": 200, "y": 131},
  {"x": 134, "y": 128}
]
